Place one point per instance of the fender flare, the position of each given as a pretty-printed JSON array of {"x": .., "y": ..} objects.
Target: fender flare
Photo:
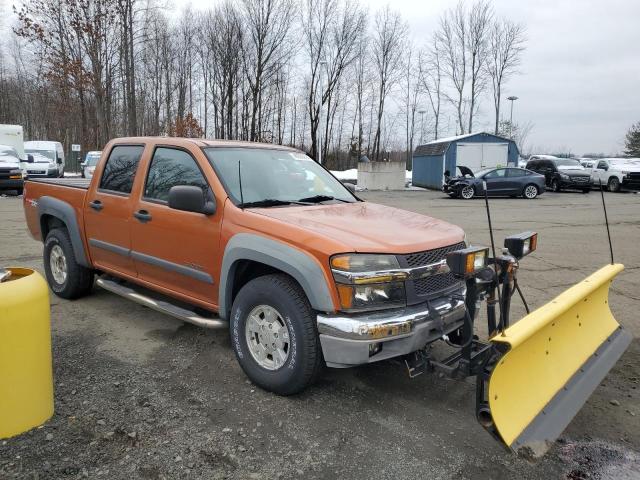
[
  {"x": 65, "y": 213},
  {"x": 301, "y": 266}
]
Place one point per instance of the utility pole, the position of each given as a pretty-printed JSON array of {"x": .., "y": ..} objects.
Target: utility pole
[{"x": 511, "y": 99}]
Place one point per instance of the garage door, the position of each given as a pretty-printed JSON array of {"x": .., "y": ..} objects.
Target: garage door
[{"x": 482, "y": 155}]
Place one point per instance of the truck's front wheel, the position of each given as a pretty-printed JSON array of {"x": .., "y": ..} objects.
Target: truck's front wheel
[
  {"x": 65, "y": 276},
  {"x": 274, "y": 334}
]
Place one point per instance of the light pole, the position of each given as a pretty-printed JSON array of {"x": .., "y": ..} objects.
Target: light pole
[
  {"x": 511, "y": 99},
  {"x": 323, "y": 65},
  {"x": 421, "y": 112}
]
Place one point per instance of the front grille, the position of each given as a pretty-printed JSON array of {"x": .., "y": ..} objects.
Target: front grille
[
  {"x": 435, "y": 285},
  {"x": 581, "y": 179},
  {"x": 430, "y": 256}
]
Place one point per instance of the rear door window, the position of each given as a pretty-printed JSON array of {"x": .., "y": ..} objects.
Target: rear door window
[
  {"x": 120, "y": 169},
  {"x": 515, "y": 172},
  {"x": 170, "y": 167}
]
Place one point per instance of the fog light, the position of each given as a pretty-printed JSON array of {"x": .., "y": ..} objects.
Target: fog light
[{"x": 375, "y": 348}]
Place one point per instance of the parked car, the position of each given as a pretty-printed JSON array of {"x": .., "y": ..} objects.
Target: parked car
[
  {"x": 48, "y": 159},
  {"x": 562, "y": 173},
  {"x": 501, "y": 182},
  {"x": 617, "y": 173},
  {"x": 89, "y": 164},
  {"x": 10, "y": 173}
]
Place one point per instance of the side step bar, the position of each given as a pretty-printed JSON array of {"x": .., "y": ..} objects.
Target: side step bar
[{"x": 126, "y": 291}]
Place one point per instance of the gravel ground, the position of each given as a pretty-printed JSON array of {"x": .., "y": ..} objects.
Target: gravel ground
[{"x": 140, "y": 395}]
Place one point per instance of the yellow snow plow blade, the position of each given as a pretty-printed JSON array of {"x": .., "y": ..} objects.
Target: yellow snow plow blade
[{"x": 555, "y": 358}]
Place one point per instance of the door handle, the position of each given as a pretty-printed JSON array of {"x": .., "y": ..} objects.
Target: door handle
[
  {"x": 142, "y": 215},
  {"x": 96, "y": 205}
]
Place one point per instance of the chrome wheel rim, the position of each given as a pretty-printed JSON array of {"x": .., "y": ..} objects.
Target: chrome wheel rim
[
  {"x": 530, "y": 191},
  {"x": 58, "y": 263},
  {"x": 467, "y": 192},
  {"x": 267, "y": 336}
]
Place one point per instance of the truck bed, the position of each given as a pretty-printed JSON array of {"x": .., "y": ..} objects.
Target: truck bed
[{"x": 74, "y": 182}]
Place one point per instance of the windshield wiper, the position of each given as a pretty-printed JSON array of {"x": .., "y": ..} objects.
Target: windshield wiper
[
  {"x": 321, "y": 198},
  {"x": 271, "y": 202}
]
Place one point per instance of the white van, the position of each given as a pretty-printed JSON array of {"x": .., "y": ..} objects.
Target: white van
[{"x": 48, "y": 159}]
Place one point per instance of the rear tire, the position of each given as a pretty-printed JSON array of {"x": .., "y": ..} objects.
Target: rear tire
[
  {"x": 530, "y": 191},
  {"x": 274, "y": 335},
  {"x": 613, "y": 184},
  {"x": 467, "y": 192},
  {"x": 66, "y": 278}
]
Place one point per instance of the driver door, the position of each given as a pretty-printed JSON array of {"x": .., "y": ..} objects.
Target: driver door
[{"x": 175, "y": 250}]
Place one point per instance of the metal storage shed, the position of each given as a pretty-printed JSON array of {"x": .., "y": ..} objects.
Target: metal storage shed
[{"x": 473, "y": 150}]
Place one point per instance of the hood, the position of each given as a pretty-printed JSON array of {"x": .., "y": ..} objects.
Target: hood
[
  {"x": 465, "y": 170},
  {"x": 575, "y": 172},
  {"x": 369, "y": 227},
  {"x": 9, "y": 162}
]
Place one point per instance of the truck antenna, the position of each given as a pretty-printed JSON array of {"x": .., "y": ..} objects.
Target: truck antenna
[
  {"x": 240, "y": 185},
  {"x": 606, "y": 220},
  {"x": 493, "y": 251}
]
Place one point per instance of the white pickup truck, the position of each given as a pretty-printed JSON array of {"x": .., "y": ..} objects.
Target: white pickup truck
[{"x": 615, "y": 173}]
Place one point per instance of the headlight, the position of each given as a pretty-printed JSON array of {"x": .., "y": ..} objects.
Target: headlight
[
  {"x": 369, "y": 281},
  {"x": 624, "y": 173},
  {"x": 521, "y": 244},
  {"x": 15, "y": 174}
]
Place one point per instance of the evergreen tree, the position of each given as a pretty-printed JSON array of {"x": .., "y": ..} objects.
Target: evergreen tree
[{"x": 632, "y": 141}]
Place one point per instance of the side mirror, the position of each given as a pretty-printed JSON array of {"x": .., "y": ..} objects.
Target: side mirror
[
  {"x": 189, "y": 198},
  {"x": 83, "y": 164},
  {"x": 350, "y": 186},
  {"x": 30, "y": 158}
]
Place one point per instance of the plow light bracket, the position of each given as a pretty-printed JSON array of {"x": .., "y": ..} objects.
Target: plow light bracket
[
  {"x": 467, "y": 262},
  {"x": 521, "y": 244}
]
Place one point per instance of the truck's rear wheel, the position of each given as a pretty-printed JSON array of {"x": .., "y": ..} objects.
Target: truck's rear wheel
[
  {"x": 274, "y": 335},
  {"x": 65, "y": 276}
]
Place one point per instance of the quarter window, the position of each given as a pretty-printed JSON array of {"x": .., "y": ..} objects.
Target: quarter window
[
  {"x": 120, "y": 169},
  {"x": 515, "y": 172},
  {"x": 170, "y": 167}
]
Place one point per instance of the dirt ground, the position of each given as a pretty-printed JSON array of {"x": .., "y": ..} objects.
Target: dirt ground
[{"x": 141, "y": 395}]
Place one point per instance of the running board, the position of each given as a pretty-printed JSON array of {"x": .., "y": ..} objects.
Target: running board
[{"x": 189, "y": 316}]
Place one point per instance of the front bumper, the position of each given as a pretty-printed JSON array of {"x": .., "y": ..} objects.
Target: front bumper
[
  {"x": 11, "y": 183},
  {"x": 43, "y": 172},
  {"x": 348, "y": 340},
  {"x": 631, "y": 183}
]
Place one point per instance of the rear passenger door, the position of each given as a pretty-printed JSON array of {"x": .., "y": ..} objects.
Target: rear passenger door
[
  {"x": 496, "y": 181},
  {"x": 174, "y": 250},
  {"x": 515, "y": 181},
  {"x": 107, "y": 210}
]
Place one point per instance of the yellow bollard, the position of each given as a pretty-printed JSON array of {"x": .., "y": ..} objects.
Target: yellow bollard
[{"x": 26, "y": 376}]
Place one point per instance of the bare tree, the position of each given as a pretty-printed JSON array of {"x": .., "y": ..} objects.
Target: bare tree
[
  {"x": 480, "y": 17},
  {"x": 411, "y": 92},
  {"x": 268, "y": 26},
  {"x": 389, "y": 39},
  {"x": 506, "y": 45},
  {"x": 430, "y": 75}
]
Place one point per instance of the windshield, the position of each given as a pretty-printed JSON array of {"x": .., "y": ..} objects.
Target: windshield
[
  {"x": 565, "y": 162},
  {"x": 42, "y": 155},
  {"x": 92, "y": 159},
  {"x": 8, "y": 151},
  {"x": 275, "y": 175}
]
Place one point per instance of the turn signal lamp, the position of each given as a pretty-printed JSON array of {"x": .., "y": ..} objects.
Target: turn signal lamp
[
  {"x": 522, "y": 244},
  {"x": 466, "y": 262}
]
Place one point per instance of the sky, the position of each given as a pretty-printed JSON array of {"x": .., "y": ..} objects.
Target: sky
[
  {"x": 579, "y": 84},
  {"x": 580, "y": 77}
]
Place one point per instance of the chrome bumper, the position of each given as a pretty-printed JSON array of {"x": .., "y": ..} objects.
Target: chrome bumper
[{"x": 349, "y": 340}]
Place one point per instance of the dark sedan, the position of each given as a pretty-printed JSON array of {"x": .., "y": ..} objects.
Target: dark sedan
[{"x": 501, "y": 182}]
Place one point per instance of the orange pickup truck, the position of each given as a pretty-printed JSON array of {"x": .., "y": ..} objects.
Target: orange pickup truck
[
  {"x": 256, "y": 238},
  {"x": 263, "y": 241}
]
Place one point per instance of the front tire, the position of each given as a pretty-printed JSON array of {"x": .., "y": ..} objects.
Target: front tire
[
  {"x": 467, "y": 192},
  {"x": 274, "y": 335},
  {"x": 530, "y": 192},
  {"x": 613, "y": 184},
  {"x": 66, "y": 278},
  {"x": 555, "y": 185}
]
